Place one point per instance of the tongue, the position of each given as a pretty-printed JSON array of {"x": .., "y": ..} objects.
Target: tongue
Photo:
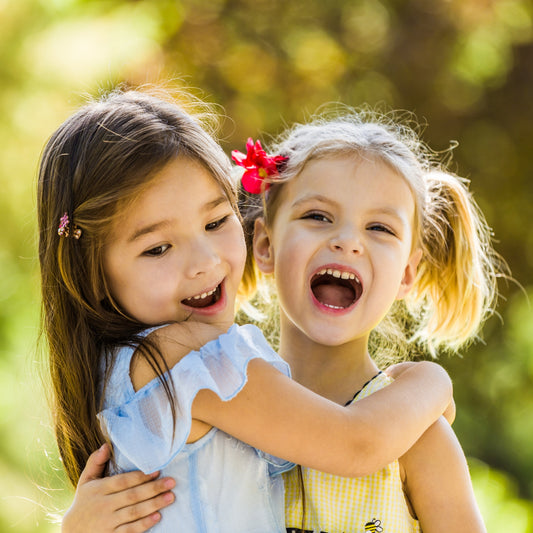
[{"x": 335, "y": 295}]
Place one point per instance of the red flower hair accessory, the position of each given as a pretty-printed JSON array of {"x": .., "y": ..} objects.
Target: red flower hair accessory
[{"x": 258, "y": 166}]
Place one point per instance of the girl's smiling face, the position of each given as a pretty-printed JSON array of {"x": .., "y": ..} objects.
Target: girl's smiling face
[
  {"x": 340, "y": 247},
  {"x": 177, "y": 251}
]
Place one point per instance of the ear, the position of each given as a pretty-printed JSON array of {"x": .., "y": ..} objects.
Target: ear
[
  {"x": 409, "y": 274},
  {"x": 263, "y": 251}
]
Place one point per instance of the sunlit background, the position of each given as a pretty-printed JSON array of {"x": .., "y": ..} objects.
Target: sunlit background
[{"x": 465, "y": 67}]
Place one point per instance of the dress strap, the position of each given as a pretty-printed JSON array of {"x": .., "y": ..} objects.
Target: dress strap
[{"x": 365, "y": 385}]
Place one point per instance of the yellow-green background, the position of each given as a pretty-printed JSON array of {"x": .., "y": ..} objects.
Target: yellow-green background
[{"x": 465, "y": 67}]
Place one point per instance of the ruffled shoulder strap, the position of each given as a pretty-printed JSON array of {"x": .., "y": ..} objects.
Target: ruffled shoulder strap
[
  {"x": 142, "y": 428},
  {"x": 118, "y": 388}
]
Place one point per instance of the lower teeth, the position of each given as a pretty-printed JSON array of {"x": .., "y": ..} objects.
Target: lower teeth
[{"x": 333, "y": 306}]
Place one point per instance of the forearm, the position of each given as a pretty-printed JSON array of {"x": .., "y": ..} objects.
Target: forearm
[
  {"x": 396, "y": 416},
  {"x": 275, "y": 414}
]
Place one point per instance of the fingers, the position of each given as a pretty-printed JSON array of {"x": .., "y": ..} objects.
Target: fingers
[
  {"x": 139, "y": 526},
  {"x": 156, "y": 491},
  {"x": 142, "y": 516},
  {"x": 94, "y": 469},
  {"x": 125, "y": 503},
  {"x": 129, "y": 482},
  {"x": 132, "y": 508}
]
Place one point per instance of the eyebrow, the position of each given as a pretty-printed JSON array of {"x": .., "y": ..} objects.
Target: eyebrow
[
  {"x": 395, "y": 213},
  {"x": 313, "y": 197},
  {"x": 144, "y": 230}
]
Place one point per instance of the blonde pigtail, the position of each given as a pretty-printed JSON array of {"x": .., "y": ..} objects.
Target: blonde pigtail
[{"x": 456, "y": 281}]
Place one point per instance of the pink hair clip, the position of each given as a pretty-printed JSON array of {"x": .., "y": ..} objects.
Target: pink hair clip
[{"x": 64, "y": 228}]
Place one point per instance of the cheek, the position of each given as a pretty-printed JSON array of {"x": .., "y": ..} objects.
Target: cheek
[
  {"x": 233, "y": 256},
  {"x": 296, "y": 248},
  {"x": 290, "y": 266},
  {"x": 233, "y": 247},
  {"x": 239, "y": 262},
  {"x": 115, "y": 279}
]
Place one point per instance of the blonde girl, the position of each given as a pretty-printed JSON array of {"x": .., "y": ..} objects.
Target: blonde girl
[
  {"x": 139, "y": 228},
  {"x": 373, "y": 248}
]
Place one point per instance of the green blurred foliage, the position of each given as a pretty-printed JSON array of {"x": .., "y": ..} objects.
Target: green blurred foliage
[{"x": 464, "y": 67}]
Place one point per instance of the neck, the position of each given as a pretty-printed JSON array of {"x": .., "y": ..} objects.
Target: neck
[{"x": 334, "y": 372}]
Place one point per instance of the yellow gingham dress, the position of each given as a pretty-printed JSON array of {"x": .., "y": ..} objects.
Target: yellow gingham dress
[{"x": 335, "y": 504}]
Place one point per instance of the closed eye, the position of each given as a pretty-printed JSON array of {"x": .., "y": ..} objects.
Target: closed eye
[
  {"x": 217, "y": 223},
  {"x": 156, "y": 251}
]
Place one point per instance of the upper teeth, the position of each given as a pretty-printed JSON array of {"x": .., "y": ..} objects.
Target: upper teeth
[
  {"x": 338, "y": 274},
  {"x": 203, "y": 295}
]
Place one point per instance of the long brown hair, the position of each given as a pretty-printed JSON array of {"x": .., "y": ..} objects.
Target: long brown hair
[{"x": 96, "y": 161}]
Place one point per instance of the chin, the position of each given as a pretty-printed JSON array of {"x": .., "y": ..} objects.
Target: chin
[{"x": 329, "y": 338}]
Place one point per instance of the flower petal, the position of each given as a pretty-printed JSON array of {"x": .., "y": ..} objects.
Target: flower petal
[
  {"x": 258, "y": 165},
  {"x": 253, "y": 182},
  {"x": 238, "y": 157}
]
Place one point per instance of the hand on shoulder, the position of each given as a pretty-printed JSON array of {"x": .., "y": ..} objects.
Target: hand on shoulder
[{"x": 426, "y": 370}]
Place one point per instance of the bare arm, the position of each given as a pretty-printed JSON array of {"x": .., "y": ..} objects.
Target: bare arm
[
  {"x": 129, "y": 503},
  {"x": 394, "y": 371},
  {"x": 281, "y": 417},
  {"x": 126, "y": 503},
  {"x": 438, "y": 483}
]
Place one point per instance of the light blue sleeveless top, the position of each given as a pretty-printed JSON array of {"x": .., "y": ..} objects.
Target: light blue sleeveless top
[{"x": 222, "y": 484}]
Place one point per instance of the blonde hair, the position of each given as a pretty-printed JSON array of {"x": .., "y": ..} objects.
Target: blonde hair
[{"x": 456, "y": 284}]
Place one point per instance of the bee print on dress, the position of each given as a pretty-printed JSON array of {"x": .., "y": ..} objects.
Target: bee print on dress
[{"x": 374, "y": 526}]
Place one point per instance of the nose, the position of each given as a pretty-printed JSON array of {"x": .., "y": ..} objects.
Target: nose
[
  {"x": 347, "y": 240},
  {"x": 200, "y": 258}
]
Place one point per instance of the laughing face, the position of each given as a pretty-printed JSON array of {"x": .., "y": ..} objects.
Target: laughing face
[
  {"x": 340, "y": 248},
  {"x": 177, "y": 251}
]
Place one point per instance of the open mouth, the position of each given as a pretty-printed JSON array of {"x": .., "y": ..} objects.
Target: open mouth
[
  {"x": 205, "y": 299},
  {"x": 336, "y": 289}
]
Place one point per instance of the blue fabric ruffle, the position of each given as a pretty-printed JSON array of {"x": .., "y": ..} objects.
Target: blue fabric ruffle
[{"x": 141, "y": 428}]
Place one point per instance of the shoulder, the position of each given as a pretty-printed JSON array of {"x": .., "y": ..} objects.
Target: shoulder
[
  {"x": 166, "y": 346},
  {"x": 115, "y": 384},
  {"x": 206, "y": 349}
]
